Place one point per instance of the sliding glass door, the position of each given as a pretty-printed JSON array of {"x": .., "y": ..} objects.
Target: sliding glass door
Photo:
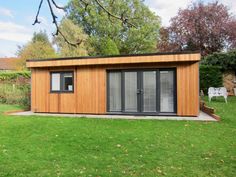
[{"x": 142, "y": 91}]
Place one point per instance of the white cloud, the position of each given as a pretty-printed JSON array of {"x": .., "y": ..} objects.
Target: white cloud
[
  {"x": 43, "y": 22},
  {"x": 8, "y": 48},
  {"x": 59, "y": 12},
  {"x": 14, "y": 32},
  {"x": 167, "y": 9},
  {"x": 10, "y": 26},
  {"x": 231, "y": 4},
  {"x": 6, "y": 12},
  {"x": 14, "y": 36}
]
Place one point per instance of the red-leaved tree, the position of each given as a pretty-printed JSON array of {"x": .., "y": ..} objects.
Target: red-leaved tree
[{"x": 205, "y": 27}]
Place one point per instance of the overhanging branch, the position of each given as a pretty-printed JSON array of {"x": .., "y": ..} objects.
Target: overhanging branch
[
  {"x": 122, "y": 18},
  {"x": 54, "y": 17},
  {"x": 59, "y": 7},
  {"x": 37, "y": 15}
]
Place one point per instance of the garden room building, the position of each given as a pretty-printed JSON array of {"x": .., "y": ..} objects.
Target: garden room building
[{"x": 139, "y": 84}]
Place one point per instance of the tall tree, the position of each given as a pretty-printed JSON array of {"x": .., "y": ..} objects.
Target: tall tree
[
  {"x": 39, "y": 47},
  {"x": 104, "y": 46},
  {"x": 41, "y": 36},
  {"x": 203, "y": 27},
  {"x": 74, "y": 34},
  {"x": 99, "y": 24}
]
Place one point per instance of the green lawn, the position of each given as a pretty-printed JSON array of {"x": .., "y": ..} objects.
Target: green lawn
[{"x": 50, "y": 146}]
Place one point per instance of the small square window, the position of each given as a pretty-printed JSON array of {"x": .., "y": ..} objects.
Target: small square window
[
  {"x": 62, "y": 82},
  {"x": 67, "y": 82}
]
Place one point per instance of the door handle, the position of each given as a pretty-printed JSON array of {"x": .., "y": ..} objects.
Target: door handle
[{"x": 139, "y": 91}]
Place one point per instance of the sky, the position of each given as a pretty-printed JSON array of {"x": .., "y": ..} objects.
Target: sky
[{"x": 17, "y": 16}]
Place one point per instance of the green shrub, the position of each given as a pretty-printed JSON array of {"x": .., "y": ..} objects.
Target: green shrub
[
  {"x": 15, "y": 88},
  {"x": 11, "y": 75},
  {"x": 24, "y": 101},
  {"x": 210, "y": 76},
  {"x": 19, "y": 94},
  {"x": 108, "y": 47},
  {"x": 226, "y": 60}
]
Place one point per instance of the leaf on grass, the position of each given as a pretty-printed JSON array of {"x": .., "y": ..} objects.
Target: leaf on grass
[{"x": 222, "y": 161}]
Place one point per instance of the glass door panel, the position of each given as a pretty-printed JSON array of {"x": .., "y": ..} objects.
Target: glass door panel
[
  {"x": 114, "y": 91},
  {"x": 167, "y": 91},
  {"x": 149, "y": 91},
  {"x": 130, "y": 92}
]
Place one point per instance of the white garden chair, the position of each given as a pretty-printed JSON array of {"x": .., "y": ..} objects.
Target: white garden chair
[{"x": 216, "y": 92}]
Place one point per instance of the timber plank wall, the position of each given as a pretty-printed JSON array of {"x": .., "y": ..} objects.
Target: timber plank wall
[{"x": 89, "y": 95}]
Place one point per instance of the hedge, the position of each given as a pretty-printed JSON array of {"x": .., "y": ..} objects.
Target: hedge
[
  {"x": 12, "y": 75},
  {"x": 210, "y": 76},
  {"x": 226, "y": 60},
  {"x": 15, "y": 88}
]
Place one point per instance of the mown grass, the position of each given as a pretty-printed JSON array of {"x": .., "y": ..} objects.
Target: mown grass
[{"x": 51, "y": 146}]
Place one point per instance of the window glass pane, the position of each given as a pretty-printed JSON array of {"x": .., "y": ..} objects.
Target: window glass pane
[
  {"x": 115, "y": 91},
  {"x": 167, "y": 91},
  {"x": 55, "y": 82},
  {"x": 131, "y": 92},
  {"x": 149, "y": 91},
  {"x": 67, "y": 81}
]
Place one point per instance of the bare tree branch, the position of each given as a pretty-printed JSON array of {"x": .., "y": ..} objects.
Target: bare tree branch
[
  {"x": 36, "y": 18},
  {"x": 54, "y": 17},
  {"x": 58, "y": 7},
  {"x": 122, "y": 18},
  {"x": 85, "y": 4}
]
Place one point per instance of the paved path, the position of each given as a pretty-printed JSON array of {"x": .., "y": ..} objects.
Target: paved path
[{"x": 202, "y": 116}]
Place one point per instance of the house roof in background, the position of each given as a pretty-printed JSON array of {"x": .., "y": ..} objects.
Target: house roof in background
[{"x": 8, "y": 63}]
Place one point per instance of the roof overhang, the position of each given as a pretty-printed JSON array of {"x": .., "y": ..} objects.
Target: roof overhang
[{"x": 118, "y": 59}]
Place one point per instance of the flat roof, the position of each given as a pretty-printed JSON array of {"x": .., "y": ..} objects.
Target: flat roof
[
  {"x": 114, "y": 56},
  {"x": 116, "y": 59}
]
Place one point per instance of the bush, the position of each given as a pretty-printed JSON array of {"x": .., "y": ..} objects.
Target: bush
[
  {"x": 12, "y": 75},
  {"x": 26, "y": 97},
  {"x": 210, "y": 76},
  {"x": 108, "y": 47},
  {"x": 226, "y": 60},
  {"x": 15, "y": 88},
  {"x": 15, "y": 94}
]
